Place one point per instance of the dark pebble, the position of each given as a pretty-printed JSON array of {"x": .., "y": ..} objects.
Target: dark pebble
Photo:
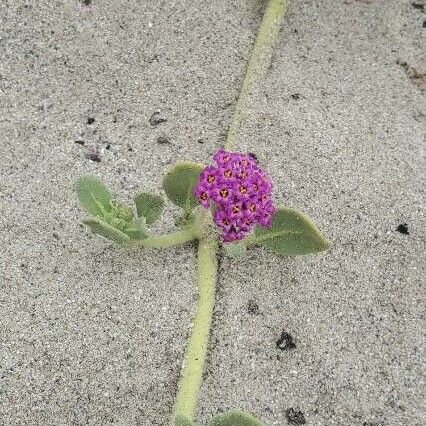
[
  {"x": 295, "y": 417},
  {"x": 163, "y": 140},
  {"x": 156, "y": 119},
  {"x": 90, "y": 120},
  {"x": 80, "y": 142},
  {"x": 418, "y": 5},
  {"x": 403, "y": 229},
  {"x": 253, "y": 308},
  {"x": 94, "y": 156},
  {"x": 295, "y": 95},
  {"x": 285, "y": 342}
]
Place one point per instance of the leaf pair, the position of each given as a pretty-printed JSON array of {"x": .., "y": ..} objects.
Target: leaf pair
[
  {"x": 113, "y": 219},
  {"x": 233, "y": 418}
]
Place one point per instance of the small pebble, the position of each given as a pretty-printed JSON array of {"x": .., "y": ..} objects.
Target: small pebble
[
  {"x": 418, "y": 5},
  {"x": 163, "y": 140},
  {"x": 253, "y": 308},
  {"x": 285, "y": 342},
  {"x": 94, "y": 156},
  {"x": 156, "y": 119},
  {"x": 295, "y": 417},
  {"x": 403, "y": 229}
]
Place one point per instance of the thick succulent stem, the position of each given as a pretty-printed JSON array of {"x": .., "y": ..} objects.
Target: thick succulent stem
[
  {"x": 258, "y": 64},
  {"x": 166, "y": 240},
  {"x": 191, "y": 378}
]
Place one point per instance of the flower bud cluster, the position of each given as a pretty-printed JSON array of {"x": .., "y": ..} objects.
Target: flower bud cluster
[{"x": 239, "y": 192}]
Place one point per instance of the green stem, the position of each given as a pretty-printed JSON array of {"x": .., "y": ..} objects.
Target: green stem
[
  {"x": 167, "y": 240},
  {"x": 191, "y": 378},
  {"x": 258, "y": 64}
]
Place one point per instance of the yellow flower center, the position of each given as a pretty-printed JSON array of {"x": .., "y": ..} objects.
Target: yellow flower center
[{"x": 224, "y": 193}]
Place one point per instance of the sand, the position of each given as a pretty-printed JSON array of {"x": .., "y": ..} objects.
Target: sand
[{"x": 92, "y": 334}]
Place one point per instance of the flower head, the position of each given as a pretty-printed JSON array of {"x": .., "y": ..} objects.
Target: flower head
[{"x": 239, "y": 191}]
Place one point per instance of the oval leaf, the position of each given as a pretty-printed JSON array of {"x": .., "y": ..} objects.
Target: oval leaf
[
  {"x": 149, "y": 206},
  {"x": 235, "y": 418},
  {"x": 291, "y": 232},
  {"x": 98, "y": 226},
  {"x": 182, "y": 421},
  {"x": 179, "y": 184},
  {"x": 93, "y": 195}
]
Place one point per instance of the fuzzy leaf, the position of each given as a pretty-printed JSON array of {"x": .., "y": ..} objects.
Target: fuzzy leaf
[
  {"x": 235, "y": 418},
  {"x": 98, "y": 226},
  {"x": 235, "y": 250},
  {"x": 149, "y": 206},
  {"x": 179, "y": 184},
  {"x": 182, "y": 421},
  {"x": 93, "y": 195},
  {"x": 291, "y": 232},
  {"x": 136, "y": 230}
]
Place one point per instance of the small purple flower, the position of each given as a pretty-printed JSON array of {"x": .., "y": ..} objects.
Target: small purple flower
[{"x": 239, "y": 191}]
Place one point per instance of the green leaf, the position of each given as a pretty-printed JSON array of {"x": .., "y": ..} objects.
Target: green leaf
[
  {"x": 98, "y": 226},
  {"x": 93, "y": 195},
  {"x": 182, "y": 421},
  {"x": 179, "y": 184},
  {"x": 149, "y": 206},
  {"x": 121, "y": 212},
  {"x": 235, "y": 250},
  {"x": 136, "y": 230},
  {"x": 291, "y": 232},
  {"x": 235, "y": 418}
]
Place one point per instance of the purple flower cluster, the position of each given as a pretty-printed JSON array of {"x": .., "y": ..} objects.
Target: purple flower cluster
[{"x": 240, "y": 192}]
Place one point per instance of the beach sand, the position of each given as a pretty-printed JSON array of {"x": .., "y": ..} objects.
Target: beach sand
[{"x": 93, "y": 334}]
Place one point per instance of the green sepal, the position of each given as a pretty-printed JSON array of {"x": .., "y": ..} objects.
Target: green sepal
[
  {"x": 98, "y": 226},
  {"x": 236, "y": 418},
  {"x": 150, "y": 206},
  {"x": 93, "y": 195},
  {"x": 291, "y": 232},
  {"x": 179, "y": 183},
  {"x": 182, "y": 421},
  {"x": 235, "y": 250}
]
